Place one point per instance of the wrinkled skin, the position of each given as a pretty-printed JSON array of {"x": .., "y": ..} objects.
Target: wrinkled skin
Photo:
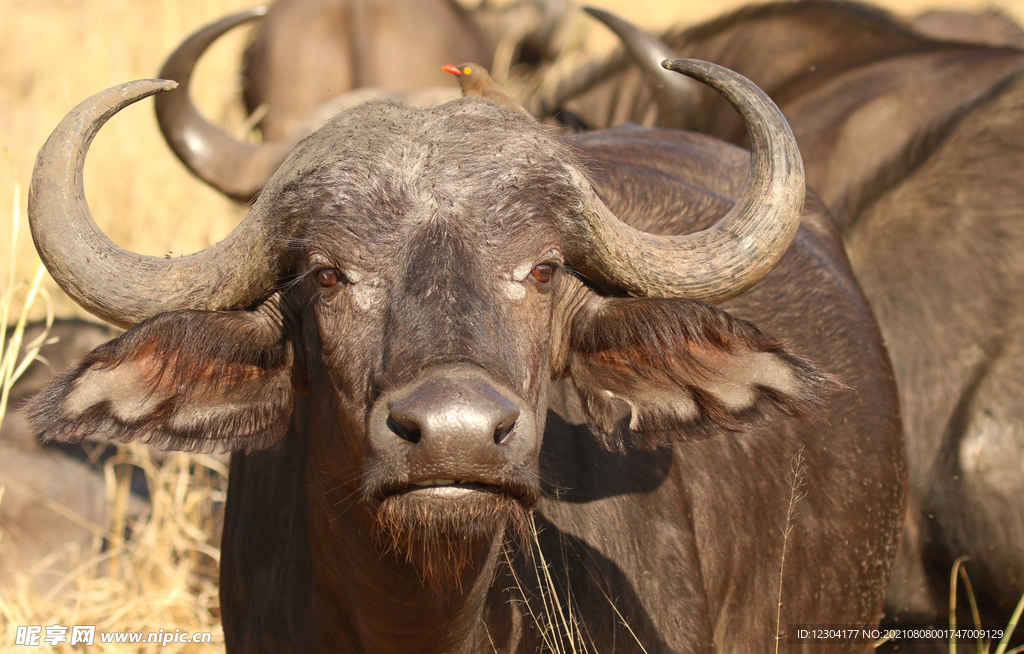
[
  {"x": 658, "y": 441},
  {"x": 915, "y": 146}
]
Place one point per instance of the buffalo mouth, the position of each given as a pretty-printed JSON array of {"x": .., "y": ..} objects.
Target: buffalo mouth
[
  {"x": 453, "y": 488},
  {"x": 441, "y": 526},
  {"x": 446, "y": 489}
]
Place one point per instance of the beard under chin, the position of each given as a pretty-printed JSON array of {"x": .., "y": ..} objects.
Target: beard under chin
[{"x": 441, "y": 538}]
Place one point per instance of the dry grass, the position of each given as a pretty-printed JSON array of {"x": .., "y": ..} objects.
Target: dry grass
[
  {"x": 797, "y": 492},
  {"x": 14, "y": 292},
  {"x": 162, "y": 576},
  {"x": 55, "y": 53},
  {"x": 557, "y": 620},
  {"x": 158, "y": 572},
  {"x": 982, "y": 646}
]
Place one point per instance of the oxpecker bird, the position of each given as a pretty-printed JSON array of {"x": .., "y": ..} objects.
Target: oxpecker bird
[{"x": 476, "y": 81}]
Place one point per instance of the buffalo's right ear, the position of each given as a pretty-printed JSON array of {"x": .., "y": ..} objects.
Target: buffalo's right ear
[
  {"x": 651, "y": 372},
  {"x": 190, "y": 380}
]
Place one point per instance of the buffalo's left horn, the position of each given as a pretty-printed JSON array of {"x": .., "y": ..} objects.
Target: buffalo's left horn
[
  {"x": 729, "y": 257},
  {"x": 235, "y": 167},
  {"x": 117, "y": 285},
  {"x": 676, "y": 96}
]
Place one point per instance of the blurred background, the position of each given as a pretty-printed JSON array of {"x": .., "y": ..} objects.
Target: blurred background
[{"x": 55, "y": 53}]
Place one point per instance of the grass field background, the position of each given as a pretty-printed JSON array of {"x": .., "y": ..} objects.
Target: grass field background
[{"x": 54, "y": 54}]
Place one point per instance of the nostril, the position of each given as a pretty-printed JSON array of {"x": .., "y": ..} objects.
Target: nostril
[
  {"x": 407, "y": 431},
  {"x": 503, "y": 430}
]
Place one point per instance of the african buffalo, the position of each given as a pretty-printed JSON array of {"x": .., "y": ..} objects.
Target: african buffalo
[
  {"x": 302, "y": 68},
  {"x": 463, "y": 389},
  {"x": 307, "y": 52},
  {"x": 238, "y": 168},
  {"x": 916, "y": 147}
]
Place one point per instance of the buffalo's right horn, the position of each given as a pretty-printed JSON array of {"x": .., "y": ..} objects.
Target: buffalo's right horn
[
  {"x": 110, "y": 282},
  {"x": 726, "y": 259}
]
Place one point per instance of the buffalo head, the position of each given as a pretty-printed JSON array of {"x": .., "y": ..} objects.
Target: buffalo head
[{"x": 416, "y": 279}]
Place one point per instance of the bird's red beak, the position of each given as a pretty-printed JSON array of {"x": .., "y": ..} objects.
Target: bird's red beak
[{"x": 454, "y": 70}]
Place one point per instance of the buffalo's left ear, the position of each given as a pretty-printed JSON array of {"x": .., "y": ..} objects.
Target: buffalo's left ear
[
  {"x": 191, "y": 380},
  {"x": 651, "y": 372}
]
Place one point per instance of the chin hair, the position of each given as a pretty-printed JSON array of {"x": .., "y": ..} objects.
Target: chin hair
[{"x": 441, "y": 538}]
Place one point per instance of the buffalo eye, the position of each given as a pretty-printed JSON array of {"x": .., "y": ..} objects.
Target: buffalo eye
[
  {"x": 328, "y": 277},
  {"x": 543, "y": 272}
]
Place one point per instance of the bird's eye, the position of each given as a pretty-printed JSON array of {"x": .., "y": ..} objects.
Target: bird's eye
[
  {"x": 328, "y": 277},
  {"x": 543, "y": 272}
]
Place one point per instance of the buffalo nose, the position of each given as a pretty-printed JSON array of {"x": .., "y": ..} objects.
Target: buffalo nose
[{"x": 456, "y": 412}]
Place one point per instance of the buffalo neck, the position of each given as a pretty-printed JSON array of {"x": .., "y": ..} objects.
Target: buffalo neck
[{"x": 368, "y": 598}]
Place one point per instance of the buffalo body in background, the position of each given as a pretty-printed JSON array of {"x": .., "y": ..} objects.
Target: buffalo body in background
[
  {"x": 989, "y": 27},
  {"x": 306, "y": 52},
  {"x": 313, "y": 58}
]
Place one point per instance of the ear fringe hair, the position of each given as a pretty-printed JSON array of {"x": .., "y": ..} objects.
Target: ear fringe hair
[
  {"x": 664, "y": 333},
  {"x": 251, "y": 430},
  {"x": 186, "y": 355},
  {"x": 660, "y": 428}
]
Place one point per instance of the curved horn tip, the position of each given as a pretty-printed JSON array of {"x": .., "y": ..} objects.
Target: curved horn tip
[
  {"x": 686, "y": 66},
  {"x": 137, "y": 89},
  {"x": 72, "y": 246},
  {"x": 594, "y": 11},
  {"x": 680, "y": 65},
  {"x": 714, "y": 75},
  {"x": 246, "y": 14}
]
